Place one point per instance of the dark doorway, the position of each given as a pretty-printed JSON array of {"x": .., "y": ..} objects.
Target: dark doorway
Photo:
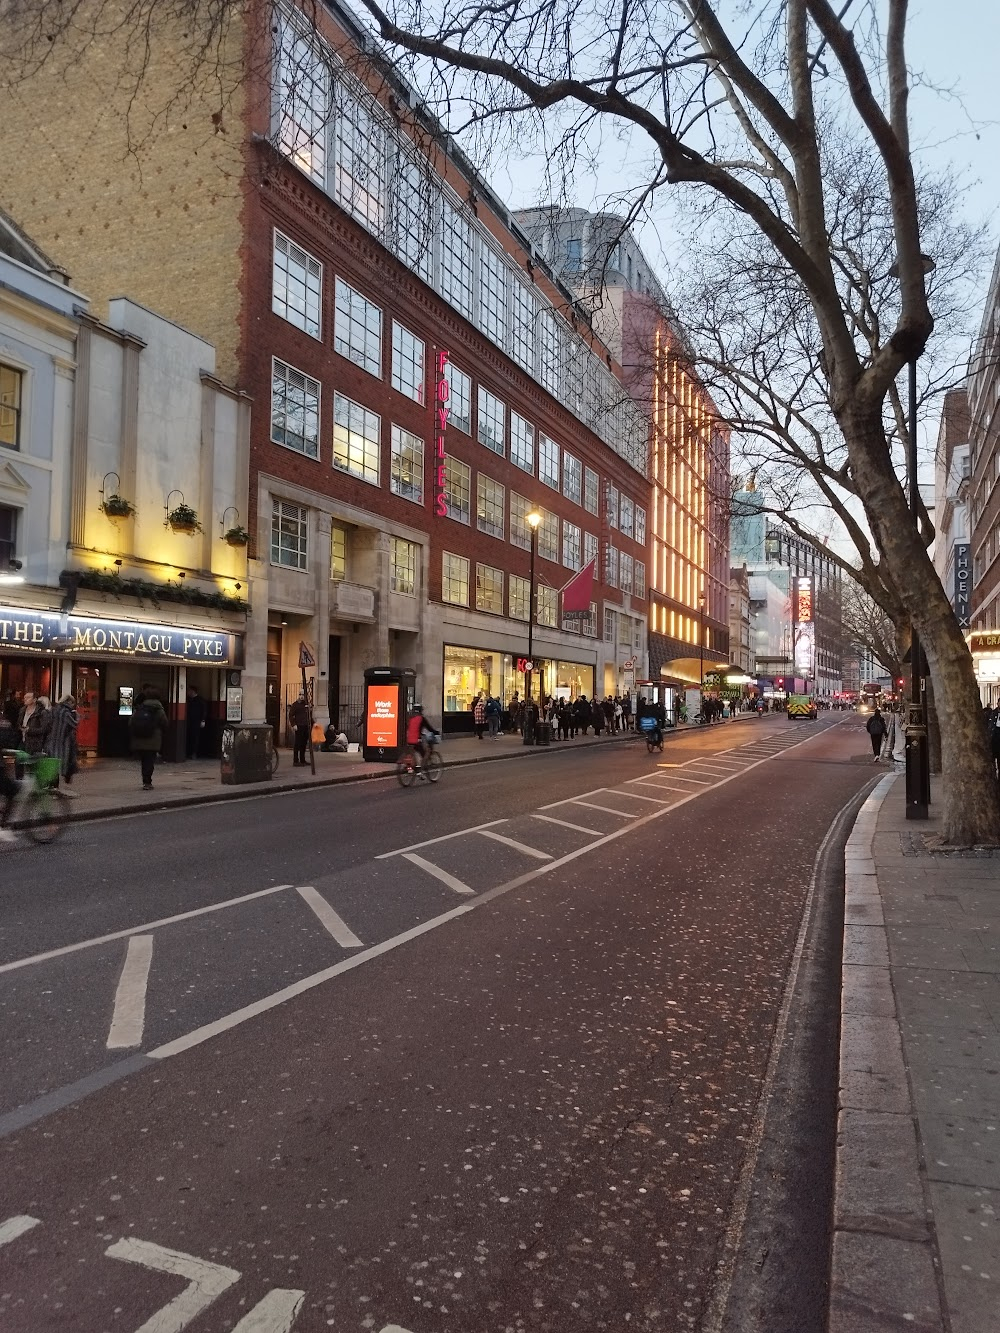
[
  {"x": 333, "y": 693},
  {"x": 272, "y": 695}
]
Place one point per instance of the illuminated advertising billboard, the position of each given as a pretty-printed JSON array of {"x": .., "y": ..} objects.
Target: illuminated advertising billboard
[{"x": 382, "y": 719}]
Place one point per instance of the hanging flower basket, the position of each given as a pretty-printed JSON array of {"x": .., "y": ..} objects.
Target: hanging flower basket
[
  {"x": 237, "y": 536},
  {"x": 184, "y": 519},
  {"x": 116, "y": 506}
]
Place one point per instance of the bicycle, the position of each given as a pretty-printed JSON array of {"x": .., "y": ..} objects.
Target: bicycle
[
  {"x": 44, "y": 809},
  {"x": 408, "y": 770}
]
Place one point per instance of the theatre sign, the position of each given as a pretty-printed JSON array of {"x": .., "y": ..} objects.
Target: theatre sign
[{"x": 27, "y": 631}]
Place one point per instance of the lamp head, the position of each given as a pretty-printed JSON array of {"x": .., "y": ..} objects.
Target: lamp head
[{"x": 533, "y": 519}]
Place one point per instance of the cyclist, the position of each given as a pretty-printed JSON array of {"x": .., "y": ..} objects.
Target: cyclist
[{"x": 417, "y": 727}]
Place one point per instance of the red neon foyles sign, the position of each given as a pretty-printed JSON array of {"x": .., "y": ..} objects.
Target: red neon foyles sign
[{"x": 440, "y": 422}]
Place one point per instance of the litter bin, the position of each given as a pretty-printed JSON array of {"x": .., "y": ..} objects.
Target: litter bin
[
  {"x": 246, "y": 753},
  {"x": 543, "y": 733}
]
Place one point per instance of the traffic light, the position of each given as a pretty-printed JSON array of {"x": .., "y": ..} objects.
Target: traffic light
[
  {"x": 900, "y": 682},
  {"x": 780, "y": 682}
]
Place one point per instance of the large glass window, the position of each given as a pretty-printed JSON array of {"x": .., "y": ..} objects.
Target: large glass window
[
  {"x": 591, "y": 491},
  {"x": 406, "y": 474},
  {"x": 609, "y": 625},
  {"x": 296, "y": 285},
  {"x": 459, "y": 398},
  {"x": 413, "y": 198},
  {"x": 518, "y": 597},
  {"x": 572, "y": 477},
  {"x": 612, "y": 506},
  {"x": 8, "y": 535},
  {"x": 548, "y": 461},
  {"x": 403, "y": 572},
  {"x": 454, "y": 579},
  {"x": 640, "y": 525},
  {"x": 360, "y": 161},
  {"x": 357, "y": 437},
  {"x": 591, "y": 550},
  {"x": 548, "y": 604},
  {"x": 492, "y": 419},
  {"x": 357, "y": 329},
  {"x": 490, "y": 506},
  {"x": 289, "y": 535},
  {"x": 548, "y": 536},
  {"x": 550, "y": 353},
  {"x": 294, "y": 409},
  {"x": 523, "y": 326},
  {"x": 522, "y": 443},
  {"x": 457, "y": 488},
  {"x": 520, "y": 532},
  {"x": 625, "y": 572},
  {"x": 640, "y": 579},
  {"x": 626, "y": 517},
  {"x": 493, "y": 295},
  {"x": 303, "y": 95},
  {"x": 571, "y": 546},
  {"x": 407, "y": 362},
  {"x": 489, "y": 589},
  {"x": 469, "y": 672},
  {"x": 456, "y": 260},
  {"x": 338, "y": 552}
]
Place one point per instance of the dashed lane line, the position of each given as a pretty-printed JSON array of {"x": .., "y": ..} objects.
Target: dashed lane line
[
  {"x": 129, "y": 1015},
  {"x": 445, "y": 837},
  {"x": 564, "y": 823},
  {"x": 139, "y": 930},
  {"x": 334, "y": 924},
  {"x": 16, "y": 1226},
  {"x": 443, "y": 875},
  {"x": 637, "y": 796},
  {"x": 518, "y": 846},
  {"x": 592, "y": 805}
]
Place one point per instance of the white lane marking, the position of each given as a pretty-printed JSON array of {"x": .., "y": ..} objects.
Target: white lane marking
[
  {"x": 698, "y": 782},
  {"x": 297, "y": 988},
  {"x": 129, "y": 1015},
  {"x": 549, "y": 819},
  {"x": 634, "y": 796},
  {"x": 592, "y": 805},
  {"x": 518, "y": 846},
  {"x": 335, "y": 924},
  {"x": 274, "y": 1314},
  {"x": 138, "y": 930},
  {"x": 206, "y": 1282},
  {"x": 16, "y": 1226},
  {"x": 553, "y": 805},
  {"x": 445, "y": 837},
  {"x": 437, "y": 872}
]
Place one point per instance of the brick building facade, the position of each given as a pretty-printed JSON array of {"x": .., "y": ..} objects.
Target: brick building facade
[{"x": 373, "y": 265}]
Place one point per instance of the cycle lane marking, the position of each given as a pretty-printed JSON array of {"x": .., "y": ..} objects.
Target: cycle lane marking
[
  {"x": 592, "y": 805},
  {"x": 518, "y": 846},
  {"x": 452, "y": 881},
  {"x": 206, "y": 1281},
  {"x": 564, "y": 823},
  {"x": 65, "y": 949},
  {"x": 331, "y": 921},
  {"x": 429, "y": 842},
  {"x": 128, "y": 1017},
  {"x": 17, "y": 1226}
]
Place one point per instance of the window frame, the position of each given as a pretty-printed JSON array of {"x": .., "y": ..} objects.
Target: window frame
[
  {"x": 518, "y": 596},
  {"x": 572, "y": 545},
  {"x": 463, "y": 423},
  {"x": 347, "y": 347},
  {"x": 487, "y": 419},
  {"x": 549, "y": 547},
  {"x": 412, "y": 490},
  {"x": 482, "y": 570},
  {"x": 415, "y": 387},
  {"x": 548, "y": 449},
  {"x": 448, "y": 577},
  {"x": 309, "y": 387},
  {"x": 279, "y": 515},
  {"x": 305, "y": 262},
  {"x": 591, "y": 491},
  {"x": 522, "y": 443},
  {"x": 453, "y": 469},
  {"x": 488, "y": 503},
  {"x": 411, "y": 566},
  {"x": 572, "y": 477},
  {"x": 362, "y": 473}
]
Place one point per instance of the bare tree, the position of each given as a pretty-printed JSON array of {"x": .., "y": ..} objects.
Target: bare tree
[
  {"x": 749, "y": 109},
  {"x": 867, "y": 626}
]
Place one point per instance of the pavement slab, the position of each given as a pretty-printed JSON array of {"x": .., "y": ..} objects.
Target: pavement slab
[{"x": 917, "y": 1241}]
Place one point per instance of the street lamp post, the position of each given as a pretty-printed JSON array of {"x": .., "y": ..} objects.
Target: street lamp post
[
  {"x": 533, "y": 519},
  {"x": 701, "y": 648}
]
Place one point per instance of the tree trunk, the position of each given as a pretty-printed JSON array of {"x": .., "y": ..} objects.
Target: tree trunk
[
  {"x": 971, "y": 802},
  {"x": 933, "y": 728}
]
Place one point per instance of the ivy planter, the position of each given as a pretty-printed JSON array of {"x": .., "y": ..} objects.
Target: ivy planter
[
  {"x": 116, "y": 506},
  {"x": 184, "y": 519},
  {"x": 237, "y": 536}
]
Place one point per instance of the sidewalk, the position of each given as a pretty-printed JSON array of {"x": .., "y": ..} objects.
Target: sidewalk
[
  {"x": 112, "y": 786},
  {"x": 917, "y": 1207}
]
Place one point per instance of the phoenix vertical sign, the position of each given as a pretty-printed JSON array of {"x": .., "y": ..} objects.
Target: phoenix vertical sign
[{"x": 441, "y": 393}]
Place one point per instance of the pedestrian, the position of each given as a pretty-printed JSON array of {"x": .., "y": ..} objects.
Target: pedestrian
[
  {"x": 146, "y": 727},
  {"x": 197, "y": 716},
  {"x": 493, "y": 716},
  {"x": 8, "y": 787},
  {"x": 563, "y": 715},
  {"x": 298, "y": 719},
  {"x": 36, "y": 724},
  {"x": 875, "y": 727},
  {"x": 479, "y": 716},
  {"x": 597, "y": 713},
  {"x": 584, "y": 713},
  {"x": 626, "y": 711},
  {"x": 62, "y": 738},
  {"x": 619, "y": 714},
  {"x": 995, "y": 743}
]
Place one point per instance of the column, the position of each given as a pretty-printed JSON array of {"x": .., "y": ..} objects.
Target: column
[
  {"x": 131, "y": 347},
  {"x": 80, "y": 438},
  {"x": 321, "y": 621}
]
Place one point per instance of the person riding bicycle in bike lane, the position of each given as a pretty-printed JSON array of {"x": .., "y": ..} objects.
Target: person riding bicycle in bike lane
[{"x": 417, "y": 727}]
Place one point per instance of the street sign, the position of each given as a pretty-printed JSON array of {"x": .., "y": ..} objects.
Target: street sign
[
  {"x": 306, "y": 658},
  {"x": 525, "y": 664}
]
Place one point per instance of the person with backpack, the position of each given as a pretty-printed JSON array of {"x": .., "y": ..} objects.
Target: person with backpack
[
  {"x": 875, "y": 726},
  {"x": 146, "y": 732}
]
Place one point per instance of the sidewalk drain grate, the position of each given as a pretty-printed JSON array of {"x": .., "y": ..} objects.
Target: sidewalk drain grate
[{"x": 930, "y": 844}]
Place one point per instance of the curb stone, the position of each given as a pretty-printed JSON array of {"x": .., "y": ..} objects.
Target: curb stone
[{"x": 884, "y": 1274}]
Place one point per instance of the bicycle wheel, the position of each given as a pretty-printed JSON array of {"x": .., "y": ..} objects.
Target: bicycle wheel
[
  {"x": 45, "y": 813},
  {"x": 405, "y": 772},
  {"x": 275, "y": 760},
  {"x": 433, "y": 765}
]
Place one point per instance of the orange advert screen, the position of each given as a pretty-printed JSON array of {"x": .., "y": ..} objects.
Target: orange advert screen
[{"x": 383, "y": 715}]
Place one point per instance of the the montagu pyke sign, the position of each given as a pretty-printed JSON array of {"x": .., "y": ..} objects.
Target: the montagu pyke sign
[{"x": 30, "y": 631}]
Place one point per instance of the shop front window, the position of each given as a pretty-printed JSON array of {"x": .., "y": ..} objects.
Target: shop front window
[{"x": 468, "y": 672}]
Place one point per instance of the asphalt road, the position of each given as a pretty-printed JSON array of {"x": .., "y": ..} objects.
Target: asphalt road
[{"x": 505, "y": 1080}]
